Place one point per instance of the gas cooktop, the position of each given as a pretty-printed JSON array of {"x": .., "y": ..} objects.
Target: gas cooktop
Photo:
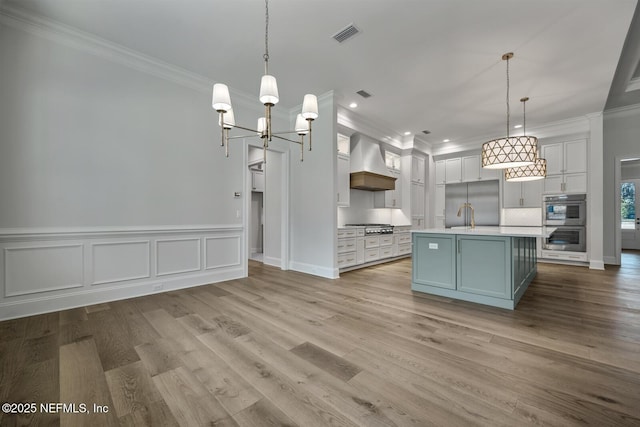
[{"x": 374, "y": 228}]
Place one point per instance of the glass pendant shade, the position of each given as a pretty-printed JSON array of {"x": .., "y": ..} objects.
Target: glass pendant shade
[
  {"x": 262, "y": 126},
  {"x": 310, "y": 107},
  {"x": 221, "y": 100},
  {"x": 538, "y": 170},
  {"x": 269, "y": 90},
  {"x": 302, "y": 126},
  {"x": 229, "y": 120},
  {"x": 510, "y": 152}
]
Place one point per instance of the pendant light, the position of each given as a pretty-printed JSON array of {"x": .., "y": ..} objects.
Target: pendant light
[
  {"x": 269, "y": 97},
  {"x": 538, "y": 170},
  {"x": 511, "y": 151}
]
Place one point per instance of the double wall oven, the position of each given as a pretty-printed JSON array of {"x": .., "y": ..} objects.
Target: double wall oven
[{"x": 568, "y": 213}]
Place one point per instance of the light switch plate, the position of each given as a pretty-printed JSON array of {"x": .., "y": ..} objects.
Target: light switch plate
[{"x": 433, "y": 246}]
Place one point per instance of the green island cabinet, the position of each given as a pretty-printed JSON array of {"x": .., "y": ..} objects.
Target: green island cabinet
[{"x": 492, "y": 270}]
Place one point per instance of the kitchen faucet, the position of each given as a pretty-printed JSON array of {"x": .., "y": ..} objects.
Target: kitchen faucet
[{"x": 464, "y": 206}]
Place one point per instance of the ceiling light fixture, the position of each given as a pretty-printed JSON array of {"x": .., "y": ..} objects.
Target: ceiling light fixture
[
  {"x": 353, "y": 105},
  {"x": 538, "y": 170},
  {"x": 407, "y": 133},
  {"x": 511, "y": 151},
  {"x": 221, "y": 102},
  {"x": 517, "y": 126},
  {"x": 446, "y": 140}
]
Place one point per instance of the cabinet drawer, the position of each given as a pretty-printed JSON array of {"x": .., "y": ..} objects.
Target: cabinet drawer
[
  {"x": 386, "y": 252},
  {"x": 371, "y": 254},
  {"x": 342, "y": 233},
  {"x": 347, "y": 259},
  {"x": 346, "y": 245},
  {"x": 371, "y": 242},
  {"x": 404, "y": 249},
  {"x": 360, "y": 232},
  {"x": 386, "y": 240},
  {"x": 403, "y": 238}
]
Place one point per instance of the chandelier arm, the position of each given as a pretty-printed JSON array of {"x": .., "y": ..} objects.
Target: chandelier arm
[{"x": 287, "y": 139}]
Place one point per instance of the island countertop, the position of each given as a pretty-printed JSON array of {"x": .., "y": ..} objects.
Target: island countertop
[{"x": 492, "y": 231}]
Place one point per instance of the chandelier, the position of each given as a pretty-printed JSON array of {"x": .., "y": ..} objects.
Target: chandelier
[
  {"x": 221, "y": 102},
  {"x": 538, "y": 170},
  {"x": 511, "y": 151}
]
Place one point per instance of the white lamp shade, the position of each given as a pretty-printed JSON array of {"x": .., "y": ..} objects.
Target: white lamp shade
[
  {"x": 269, "y": 90},
  {"x": 262, "y": 126},
  {"x": 229, "y": 119},
  {"x": 510, "y": 152},
  {"x": 538, "y": 170},
  {"x": 221, "y": 100},
  {"x": 302, "y": 125},
  {"x": 310, "y": 107}
]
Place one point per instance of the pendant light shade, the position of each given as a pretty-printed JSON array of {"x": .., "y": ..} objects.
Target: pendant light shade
[
  {"x": 262, "y": 126},
  {"x": 221, "y": 101},
  {"x": 229, "y": 120},
  {"x": 511, "y": 151},
  {"x": 269, "y": 90},
  {"x": 310, "y": 107},
  {"x": 302, "y": 125},
  {"x": 538, "y": 170}
]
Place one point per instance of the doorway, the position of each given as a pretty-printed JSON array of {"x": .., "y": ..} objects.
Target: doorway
[
  {"x": 267, "y": 206},
  {"x": 630, "y": 213}
]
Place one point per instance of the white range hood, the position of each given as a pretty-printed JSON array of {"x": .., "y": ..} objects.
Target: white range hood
[{"x": 368, "y": 169}]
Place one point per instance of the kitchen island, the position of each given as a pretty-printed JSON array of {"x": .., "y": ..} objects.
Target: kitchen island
[{"x": 486, "y": 265}]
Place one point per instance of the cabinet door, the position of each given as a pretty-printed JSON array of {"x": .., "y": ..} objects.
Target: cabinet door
[
  {"x": 257, "y": 181},
  {"x": 360, "y": 250},
  {"x": 343, "y": 181},
  {"x": 434, "y": 261},
  {"x": 453, "y": 170},
  {"x": 484, "y": 265},
  {"x": 417, "y": 169},
  {"x": 554, "y": 154},
  {"x": 575, "y": 183},
  {"x": 417, "y": 199},
  {"x": 470, "y": 168},
  {"x": 553, "y": 184},
  {"x": 441, "y": 173},
  {"x": 575, "y": 156},
  {"x": 390, "y": 198},
  {"x": 532, "y": 194},
  {"x": 512, "y": 195}
]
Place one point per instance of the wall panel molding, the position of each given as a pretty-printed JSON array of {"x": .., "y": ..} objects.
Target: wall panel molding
[{"x": 55, "y": 270}]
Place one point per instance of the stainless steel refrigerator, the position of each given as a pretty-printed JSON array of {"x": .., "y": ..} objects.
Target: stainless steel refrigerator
[{"x": 484, "y": 196}]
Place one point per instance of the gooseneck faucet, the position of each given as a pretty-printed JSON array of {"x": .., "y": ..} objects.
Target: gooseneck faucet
[{"x": 464, "y": 206}]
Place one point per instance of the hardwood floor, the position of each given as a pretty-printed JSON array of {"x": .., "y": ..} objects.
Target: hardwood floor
[{"x": 285, "y": 348}]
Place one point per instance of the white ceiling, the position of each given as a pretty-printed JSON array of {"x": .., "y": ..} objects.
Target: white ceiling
[{"x": 430, "y": 64}]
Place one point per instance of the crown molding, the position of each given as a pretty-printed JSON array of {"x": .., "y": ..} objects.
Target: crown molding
[
  {"x": 627, "y": 109},
  {"x": 66, "y": 35},
  {"x": 358, "y": 123}
]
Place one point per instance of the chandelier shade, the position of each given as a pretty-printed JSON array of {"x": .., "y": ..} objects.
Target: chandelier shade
[
  {"x": 302, "y": 126},
  {"x": 509, "y": 152},
  {"x": 269, "y": 90},
  {"x": 538, "y": 170},
  {"x": 229, "y": 119},
  {"x": 221, "y": 101},
  {"x": 310, "y": 107}
]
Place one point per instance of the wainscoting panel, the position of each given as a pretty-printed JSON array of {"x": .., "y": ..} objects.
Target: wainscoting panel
[
  {"x": 34, "y": 269},
  {"x": 175, "y": 256},
  {"x": 48, "y": 270},
  {"x": 120, "y": 261},
  {"x": 223, "y": 251}
]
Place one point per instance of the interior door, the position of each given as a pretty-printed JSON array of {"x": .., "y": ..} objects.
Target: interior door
[{"x": 630, "y": 213}]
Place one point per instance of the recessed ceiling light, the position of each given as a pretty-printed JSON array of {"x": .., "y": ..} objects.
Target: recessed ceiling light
[
  {"x": 353, "y": 105},
  {"x": 407, "y": 133},
  {"x": 446, "y": 140},
  {"x": 517, "y": 126}
]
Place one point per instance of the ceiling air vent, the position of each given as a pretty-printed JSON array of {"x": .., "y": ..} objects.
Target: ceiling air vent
[
  {"x": 347, "y": 32},
  {"x": 426, "y": 132},
  {"x": 363, "y": 93}
]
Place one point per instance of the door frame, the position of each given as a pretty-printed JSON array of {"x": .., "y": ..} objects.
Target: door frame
[
  {"x": 618, "y": 223},
  {"x": 284, "y": 206}
]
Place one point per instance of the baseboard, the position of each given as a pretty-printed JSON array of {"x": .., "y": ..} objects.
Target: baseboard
[
  {"x": 596, "y": 265},
  {"x": 275, "y": 262},
  {"x": 611, "y": 260},
  {"x": 316, "y": 270},
  {"x": 47, "y": 304}
]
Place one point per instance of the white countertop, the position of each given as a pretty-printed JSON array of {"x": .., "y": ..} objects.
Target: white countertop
[{"x": 493, "y": 231}]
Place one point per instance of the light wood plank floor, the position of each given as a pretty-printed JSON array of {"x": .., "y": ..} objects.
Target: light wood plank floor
[{"x": 285, "y": 348}]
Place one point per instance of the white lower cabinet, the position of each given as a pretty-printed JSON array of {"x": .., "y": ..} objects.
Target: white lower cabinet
[{"x": 354, "y": 248}]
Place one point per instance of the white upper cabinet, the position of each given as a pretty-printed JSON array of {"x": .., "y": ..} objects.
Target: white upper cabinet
[
  {"x": 453, "y": 170},
  {"x": 344, "y": 145},
  {"x": 417, "y": 169},
  {"x": 257, "y": 180},
  {"x": 566, "y": 167},
  {"x": 343, "y": 178},
  {"x": 441, "y": 177},
  {"x": 471, "y": 168},
  {"x": 526, "y": 194},
  {"x": 390, "y": 198}
]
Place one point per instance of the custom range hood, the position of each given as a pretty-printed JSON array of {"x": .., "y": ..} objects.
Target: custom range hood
[{"x": 368, "y": 169}]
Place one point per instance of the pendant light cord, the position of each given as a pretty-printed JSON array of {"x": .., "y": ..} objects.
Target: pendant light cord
[
  {"x": 266, "y": 37},
  {"x": 507, "y": 98},
  {"x": 524, "y": 118}
]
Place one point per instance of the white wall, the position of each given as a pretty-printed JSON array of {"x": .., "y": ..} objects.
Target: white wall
[
  {"x": 112, "y": 179},
  {"x": 312, "y": 204},
  {"x": 621, "y": 140}
]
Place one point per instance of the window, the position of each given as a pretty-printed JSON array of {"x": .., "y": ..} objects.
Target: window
[{"x": 628, "y": 205}]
